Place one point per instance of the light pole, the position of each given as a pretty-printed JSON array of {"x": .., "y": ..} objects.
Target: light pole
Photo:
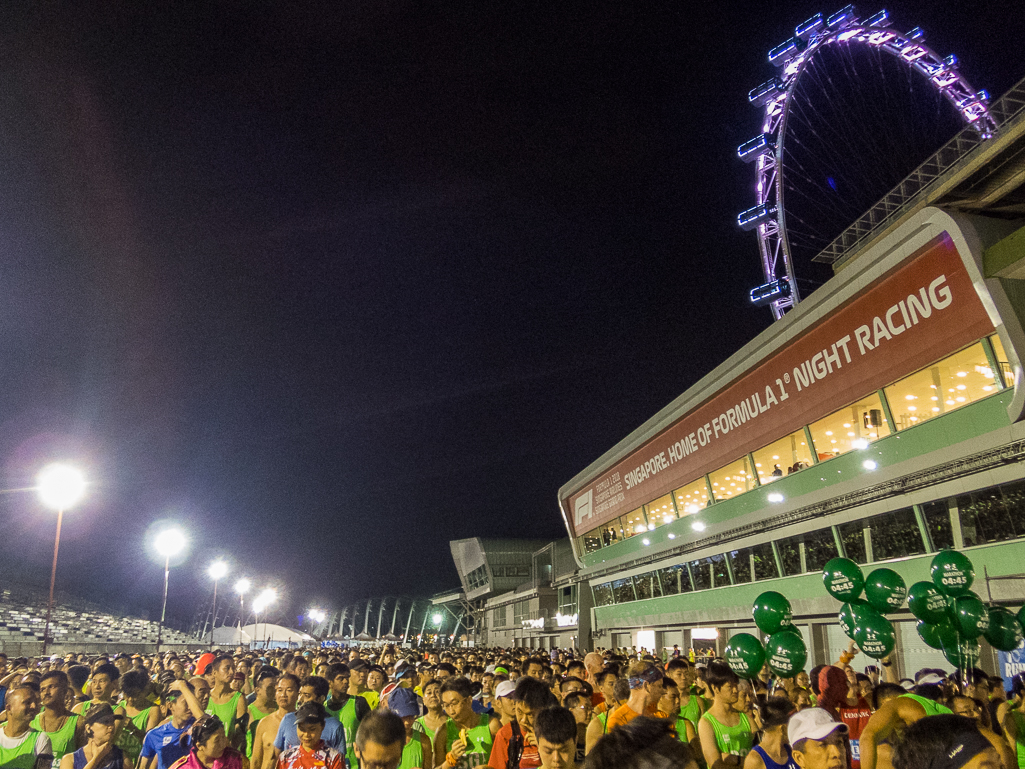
[
  {"x": 168, "y": 542},
  {"x": 60, "y": 487},
  {"x": 241, "y": 587},
  {"x": 436, "y": 621},
  {"x": 316, "y": 615},
  {"x": 217, "y": 570},
  {"x": 265, "y": 599}
]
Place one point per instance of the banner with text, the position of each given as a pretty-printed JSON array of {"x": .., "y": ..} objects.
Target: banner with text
[{"x": 919, "y": 313}]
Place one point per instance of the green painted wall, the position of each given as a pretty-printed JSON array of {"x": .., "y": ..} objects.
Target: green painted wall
[
  {"x": 971, "y": 421},
  {"x": 1005, "y": 253}
]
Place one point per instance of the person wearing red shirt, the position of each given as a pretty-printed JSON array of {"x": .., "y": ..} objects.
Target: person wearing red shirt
[
  {"x": 311, "y": 752},
  {"x": 515, "y": 744}
]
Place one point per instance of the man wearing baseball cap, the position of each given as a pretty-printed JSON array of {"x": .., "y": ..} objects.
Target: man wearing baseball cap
[
  {"x": 417, "y": 752},
  {"x": 503, "y": 705},
  {"x": 817, "y": 740}
]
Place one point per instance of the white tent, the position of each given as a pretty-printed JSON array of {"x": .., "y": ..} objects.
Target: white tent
[
  {"x": 227, "y": 635},
  {"x": 275, "y": 635}
]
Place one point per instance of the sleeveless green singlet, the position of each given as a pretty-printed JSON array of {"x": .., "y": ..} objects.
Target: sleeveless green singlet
[
  {"x": 346, "y": 716},
  {"x": 478, "y": 751},
  {"x": 413, "y": 755},
  {"x": 23, "y": 756},
  {"x": 131, "y": 745},
  {"x": 1019, "y": 744},
  {"x": 255, "y": 714},
  {"x": 62, "y": 740},
  {"x": 226, "y": 711},
  {"x": 732, "y": 740},
  {"x": 931, "y": 708}
]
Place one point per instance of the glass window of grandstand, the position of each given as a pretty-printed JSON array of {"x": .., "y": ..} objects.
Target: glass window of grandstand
[
  {"x": 852, "y": 535},
  {"x": 674, "y": 579},
  {"x": 623, "y": 590},
  {"x": 710, "y": 572},
  {"x": 592, "y": 540},
  {"x": 953, "y": 382},
  {"x": 895, "y": 535},
  {"x": 568, "y": 600},
  {"x": 1005, "y": 366},
  {"x": 603, "y": 594},
  {"x": 807, "y": 552},
  {"x": 785, "y": 456},
  {"x": 647, "y": 586},
  {"x": 633, "y": 524},
  {"x": 734, "y": 479},
  {"x": 660, "y": 511},
  {"x": 692, "y": 498},
  {"x": 757, "y": 561},
  {"x": 852, "y": 427},
  {"x": 992, "y": 515},
  {"x": 937, "y": 519}
]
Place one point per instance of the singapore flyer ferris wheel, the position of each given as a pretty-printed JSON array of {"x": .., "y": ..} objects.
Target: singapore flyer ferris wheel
[{"x": 776, "y": 151}]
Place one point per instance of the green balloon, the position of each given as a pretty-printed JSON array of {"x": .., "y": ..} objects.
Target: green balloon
[
  {"x": 964, "y": 654},
  {"x": 938, "y": 635},
  {"x": 875, "y": 636},
  {"x": 745, "y": 655},
  {"x": 772, "y": 612},
  {"x": 972, "y": 615},
  {"x": 843, "y": 579},
  {"x": 1004, "y": 631},
  {"x": 885, "y": 590},
  {"x": 786, "y": 654},
  {"x": 927, "y": 603},
  {"x": 853, "y": 614},
  {"x": 1021, "y": 617},
  {"x": 952, "y": 572}
]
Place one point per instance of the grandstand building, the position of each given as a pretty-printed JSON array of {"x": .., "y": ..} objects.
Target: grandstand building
[
  {"x": 881, "y": 420},
  {"x": 75, "y": 626}
]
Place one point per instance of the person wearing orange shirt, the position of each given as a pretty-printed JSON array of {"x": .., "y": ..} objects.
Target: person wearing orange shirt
[{"x": 645, "y": 691}]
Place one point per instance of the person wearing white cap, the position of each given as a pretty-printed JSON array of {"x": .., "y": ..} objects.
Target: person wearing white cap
[
  {"x": 504, "y": 705},
  {"x": 817, "y": 740}
]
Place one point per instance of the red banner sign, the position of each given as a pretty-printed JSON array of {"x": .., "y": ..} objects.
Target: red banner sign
[{"x": 924, "y": 310}]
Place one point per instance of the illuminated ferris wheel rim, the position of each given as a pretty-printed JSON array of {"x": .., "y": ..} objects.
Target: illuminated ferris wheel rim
[{"x": 780, "y": 290}]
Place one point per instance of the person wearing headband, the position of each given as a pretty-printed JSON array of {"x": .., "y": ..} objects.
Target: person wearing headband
[
  {"x": 947, "y": 742},
  {"x": 645, "y": 691}
]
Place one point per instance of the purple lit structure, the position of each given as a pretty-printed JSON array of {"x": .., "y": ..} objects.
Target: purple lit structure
[{"x": 767, "y": 151}]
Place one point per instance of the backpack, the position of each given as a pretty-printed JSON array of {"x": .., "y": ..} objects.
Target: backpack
[{"x": 515, "y": 747}]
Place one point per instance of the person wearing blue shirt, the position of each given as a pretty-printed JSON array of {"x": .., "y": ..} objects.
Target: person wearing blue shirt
[
  {"x": 312, "y": 689},
  {"x": 162, "y": 745}
]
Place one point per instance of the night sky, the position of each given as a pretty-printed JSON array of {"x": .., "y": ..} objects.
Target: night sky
[{"x": 334, "y": 283}]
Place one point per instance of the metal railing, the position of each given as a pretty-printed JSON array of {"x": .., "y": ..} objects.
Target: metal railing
[{"x": 959, "y": 151}]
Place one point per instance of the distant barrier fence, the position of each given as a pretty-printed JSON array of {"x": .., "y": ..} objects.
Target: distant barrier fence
[{"x": 35, "y": 648}]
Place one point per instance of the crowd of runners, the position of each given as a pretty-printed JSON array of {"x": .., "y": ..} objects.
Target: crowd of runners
[{"x": 389, "y": 708}]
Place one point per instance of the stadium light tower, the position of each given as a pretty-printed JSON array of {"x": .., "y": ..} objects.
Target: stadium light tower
[
  {"x": 216, "y": 571},
  {"x": 168, "y": 542},
  {"x": 60, "y": 487},
  {"x": 265, "y": 599},
  {"x": 241, "y": 587}
]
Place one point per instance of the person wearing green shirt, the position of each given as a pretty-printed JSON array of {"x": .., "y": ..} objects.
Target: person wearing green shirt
[
  {"x": 65, "y": 729},
  {"x": 226, "y": 703},
  {"x": 417, "y": 751},
  {"x": 21, "y": 746},
  {"x": 142, "y": 714},
  {"x": 263, "y": 705},
  {"x": 722, "y": 730},
  {"x": 896, "y": 714},
  {"x": 466, "y": 736},
  {"x": 348, "y": 708}
]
